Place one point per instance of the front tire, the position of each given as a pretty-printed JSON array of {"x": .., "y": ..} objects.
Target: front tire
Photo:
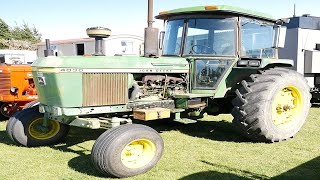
[
  {"x": 127, "y": 150},
  {"x": 25, "y": 128},
  {"x": 31, "y": 104},
  {"x": 271, "y": 106}
]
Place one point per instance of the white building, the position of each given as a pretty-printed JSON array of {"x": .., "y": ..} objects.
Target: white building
[
  {"x": 114, "y": 45},
  {"x": 18, "y": 56}
]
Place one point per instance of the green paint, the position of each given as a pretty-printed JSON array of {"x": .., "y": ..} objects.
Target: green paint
[
  {"x": 181, "y": 103},
  {"x": 65, "y": 89},
  {"x": 222, "y": 87},
  {"x": 55, "y": 111},
  {"x": 111, "y": 62},
  {"x": 220, "y": 8},
  {"x": 61, "y": 89}
]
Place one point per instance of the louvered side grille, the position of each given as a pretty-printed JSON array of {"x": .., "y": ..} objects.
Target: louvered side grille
[
  {"x": 5, "y": 84},
  {"x": 104, "y": 89}
]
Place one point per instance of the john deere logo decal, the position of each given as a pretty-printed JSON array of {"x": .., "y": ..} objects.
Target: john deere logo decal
[{"x": 41, "y": 81}]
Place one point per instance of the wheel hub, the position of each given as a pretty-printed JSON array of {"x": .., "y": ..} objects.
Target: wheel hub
[
  {"x": 286, "y": 105},
  {"x": 38, "y": 131},
  {"x": 138, "y": 153},
  {"x": 8, "y": 109}
]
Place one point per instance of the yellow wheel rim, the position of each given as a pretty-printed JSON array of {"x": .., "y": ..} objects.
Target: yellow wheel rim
[
  {"x": 41, "y": 133},
  {"x": 138, "y": 153},
  {"x": 286, "y": 105}
]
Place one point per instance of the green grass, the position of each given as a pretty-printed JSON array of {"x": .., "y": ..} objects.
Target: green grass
[{"x": 209, "y": 149}]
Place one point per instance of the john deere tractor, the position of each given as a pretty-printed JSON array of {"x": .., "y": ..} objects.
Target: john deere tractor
[{"x": 214, "y": 59}]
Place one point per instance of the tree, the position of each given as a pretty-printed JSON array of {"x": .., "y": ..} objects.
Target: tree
[
  {"x": 24, "y": 32},
  {"x": 18, "y": 37},
  {"x": 4, "y": 32}
]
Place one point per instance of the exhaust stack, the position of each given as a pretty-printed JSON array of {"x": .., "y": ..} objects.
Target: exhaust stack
[
  {"x": 151, "y": 41},
  {"x": 98, "y": 33},
  {"x": 48, "y": 51}
]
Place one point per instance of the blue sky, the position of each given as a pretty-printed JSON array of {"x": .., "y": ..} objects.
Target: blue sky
[{"x": 67, "y": 19}]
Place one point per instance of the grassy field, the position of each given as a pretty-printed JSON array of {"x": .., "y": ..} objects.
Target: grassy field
[{"x": 209, "y": 149}]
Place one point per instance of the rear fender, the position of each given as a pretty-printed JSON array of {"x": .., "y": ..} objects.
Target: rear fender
[{"x": 268, "y": 63}]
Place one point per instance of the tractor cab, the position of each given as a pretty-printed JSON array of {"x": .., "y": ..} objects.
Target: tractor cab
[
  {"x": 218, "y": 31},
  {"x": 215, "y": 38}
]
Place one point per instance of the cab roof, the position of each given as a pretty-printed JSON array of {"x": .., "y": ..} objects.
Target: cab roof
[{"x": 215, "y": 9}]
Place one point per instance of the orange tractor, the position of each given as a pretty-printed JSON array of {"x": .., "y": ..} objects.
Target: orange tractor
[{"x": 16, "y": 88}]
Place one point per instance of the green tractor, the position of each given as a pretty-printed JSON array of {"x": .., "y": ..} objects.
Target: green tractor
[{"x": 214, "y": 59}]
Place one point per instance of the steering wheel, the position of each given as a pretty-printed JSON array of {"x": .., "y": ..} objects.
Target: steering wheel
[{"x": 203, "y": 47}]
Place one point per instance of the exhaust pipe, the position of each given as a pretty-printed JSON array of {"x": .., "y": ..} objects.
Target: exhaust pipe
[
  {"x": 48, "y": 51},
  {"x": 150, "y": 35}
]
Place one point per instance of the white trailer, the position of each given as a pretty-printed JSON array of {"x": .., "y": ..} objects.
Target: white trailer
[
  {"x": 303, "y": 46},
  {"x": 114, "y": 45},
  {"x": 18, "y": 56}
]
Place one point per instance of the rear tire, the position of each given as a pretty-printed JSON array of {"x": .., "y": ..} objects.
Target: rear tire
[
  {"x": 271, "y": 106},
  {"x": 2, "y": 117},
  {"x": 8, "y": 109},
  {"x": 127, "y": 150},
  {"x": 25, "y": 128}
]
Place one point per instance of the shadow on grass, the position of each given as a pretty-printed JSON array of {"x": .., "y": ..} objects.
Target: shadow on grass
[
  {"x": 209, "y": 175},
  {"x": 246, "y": 174},
  {"x": 308, "y": 170},
  {"x": 213, "y": 130},
  {"x": 206, "y": 175},
  {"x": 76, "y": 136},
  {"x": 4, "y": 138},
  {"x": 83, "y": 165},
  {"x": 315, "y": 105}
]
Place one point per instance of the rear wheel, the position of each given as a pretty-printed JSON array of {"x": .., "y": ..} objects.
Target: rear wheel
[
  {"x": 26, "y": 128},
  {"x": 127, "y": 150},
  {"x": 8, "y": 109},
  {"x": 2, "y": 117},
  {"x": 272, "y": 105}
]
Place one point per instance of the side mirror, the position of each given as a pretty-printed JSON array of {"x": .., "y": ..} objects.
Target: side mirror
[
  {"x": 161, "y": 38},
  {"x": 279, "y": 36}
]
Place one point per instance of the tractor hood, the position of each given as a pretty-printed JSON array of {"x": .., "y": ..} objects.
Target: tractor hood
[
  {"x": 76, "y": 81},
  {"x": 122, "y": 64}
]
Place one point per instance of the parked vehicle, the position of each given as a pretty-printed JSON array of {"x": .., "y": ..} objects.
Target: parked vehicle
[
  {"x": 302, "y": 45},
  {"x": 18, "y": 56},
  {"x": 215, "y": 59},
  {"x": 17, "y": 88}
]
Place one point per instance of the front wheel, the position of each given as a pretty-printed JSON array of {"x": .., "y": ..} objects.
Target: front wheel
[
  {"x": 26, "y": 128},
  {"x": 31, "y": 104},
  {"x": 271, "y": 106},
  {"x": 8, "y": 109},
  {"x": 127, "y": 150}
]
